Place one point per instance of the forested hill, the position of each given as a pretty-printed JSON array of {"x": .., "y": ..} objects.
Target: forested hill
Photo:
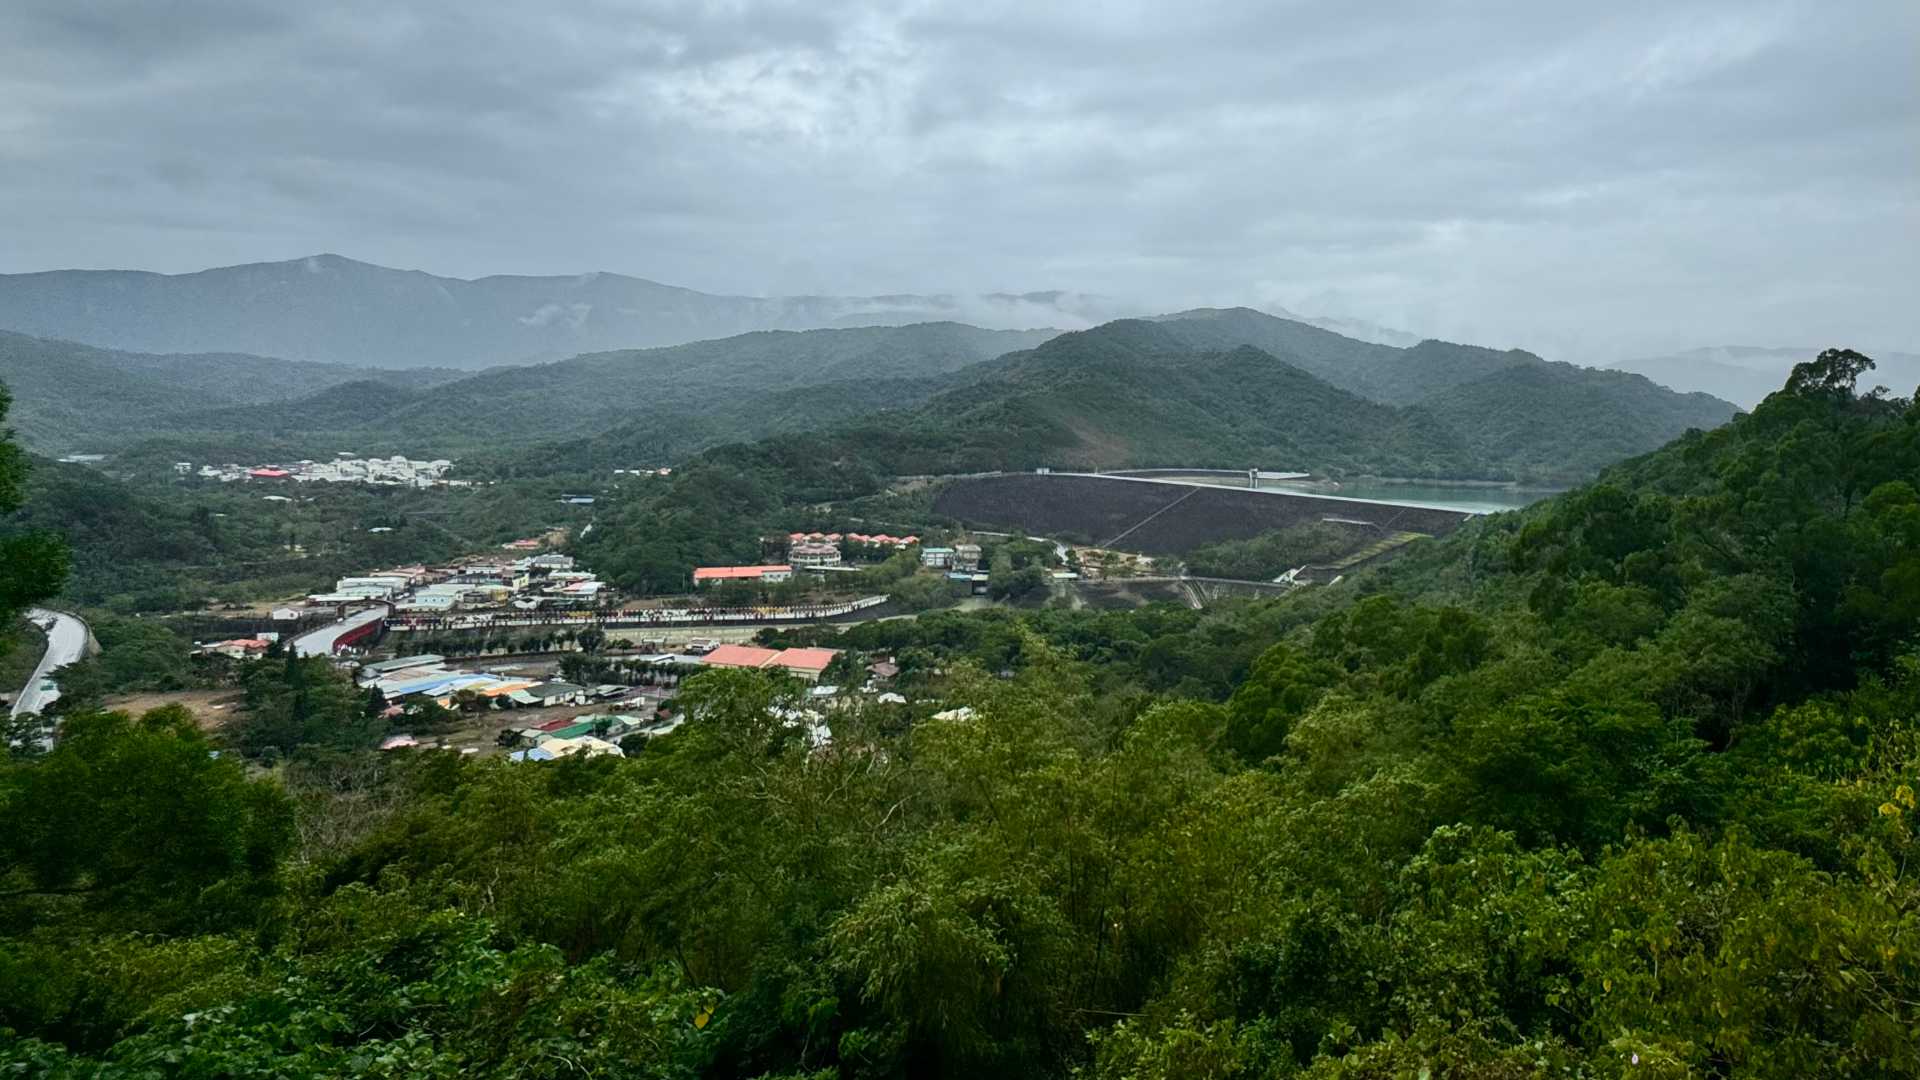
[
  {"x": 72, "y": 397},
  {"x": 1125, "y": 393},
  {"x": 1542, "y": 418},
  {"x": 1478, "y": 391},
  {"x": 147, "y": 548},
  {"x": 1129, "y": 393},
  {"x": 1223, "y": 387},
  {"x": 1620, "y": 785},
  {"x": 678, "y": 399},
  {"x": 1138, "y": 393},
  {"x": 1383, "y": 373}
]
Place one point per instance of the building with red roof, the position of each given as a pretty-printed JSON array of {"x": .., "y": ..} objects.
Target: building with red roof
[
  {"x": 239, "y": 648},
  {"x": 882, "y": 540},
  {"x": 707, "y": 575},
  {"x": 741, "y": 656},
  {"x": 808, "y": 664}
]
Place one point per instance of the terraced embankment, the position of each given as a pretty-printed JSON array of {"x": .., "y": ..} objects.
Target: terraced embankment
[{"x": 1159, "y": 517}]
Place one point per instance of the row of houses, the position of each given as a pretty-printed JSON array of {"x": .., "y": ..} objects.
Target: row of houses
[
  {"x": 853, "y": 539},
  {"x": 396, "y": 471},
  {"x": 817, "y": 550},
  {"x": 587, "y": 736},
  {"x": 426, "y": 676},
  {"x": 957, "y": 557},
  {"x": 822, "y": 552},
  {"x": 251, "y": 648},
  {"x": 534, "y": 581}
]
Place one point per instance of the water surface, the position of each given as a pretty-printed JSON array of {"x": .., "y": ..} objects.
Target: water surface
[{"x": 1478, "y": 500}]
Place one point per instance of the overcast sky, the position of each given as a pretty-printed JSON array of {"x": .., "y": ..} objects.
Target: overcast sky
[{"x": 1576, "y": 178}]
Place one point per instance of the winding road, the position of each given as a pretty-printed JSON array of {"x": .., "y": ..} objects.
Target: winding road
[{"x": 66, "y": 642}]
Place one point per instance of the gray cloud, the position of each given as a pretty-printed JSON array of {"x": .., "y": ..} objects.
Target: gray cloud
[{"x": 1583, "y": 180}]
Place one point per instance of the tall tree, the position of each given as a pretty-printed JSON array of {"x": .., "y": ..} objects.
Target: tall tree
[{"x": 33, "y": 565}]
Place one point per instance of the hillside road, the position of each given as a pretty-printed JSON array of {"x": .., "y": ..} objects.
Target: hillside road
[{"x": 66, "y": 642}]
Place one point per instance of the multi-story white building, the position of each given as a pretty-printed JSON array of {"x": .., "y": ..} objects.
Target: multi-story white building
[{"x": 808, "y": 554}]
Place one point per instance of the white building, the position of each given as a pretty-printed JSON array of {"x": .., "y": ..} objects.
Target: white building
[{"x": 808, "y": 554}]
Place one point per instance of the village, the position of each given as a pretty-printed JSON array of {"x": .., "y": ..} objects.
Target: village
[
  {"x": 345, "y": 468},
  {"x": 536, "y": 657}
]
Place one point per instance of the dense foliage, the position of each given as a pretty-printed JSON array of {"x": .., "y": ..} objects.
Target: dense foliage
[
  {"x": 141, "y": 545},
  {"x": 33, "y": 563},
  {"x": 1199, "y": 388},
  {"x": 1555, "y": 422},
  {"x": 1270, "y": 554},
  {"x": 628, "y": 408},
  {"x": 1620, "y": 785},
  {"x": 77, "y": 398},
  {"x": 1134, "y": 393},
  {"x": 136, "y": 655}
]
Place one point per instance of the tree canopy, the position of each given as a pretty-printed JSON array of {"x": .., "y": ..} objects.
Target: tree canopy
[{"x": 1620, "y": 785}]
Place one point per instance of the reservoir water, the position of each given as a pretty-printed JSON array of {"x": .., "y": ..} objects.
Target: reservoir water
[
  {"x": 1475, "y": 499},
  {"x": 1469, "y": 497}
]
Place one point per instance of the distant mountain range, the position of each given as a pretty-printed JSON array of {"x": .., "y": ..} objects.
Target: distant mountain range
[
  {"x": 1137, "y": 393},
  {"x": 1210, "y": 386},
  {"x": 1358, "y": 329},
  {"x": 331, "y": 309},
  {"x": 70, "y": 397},
  {"x": 1745, "y": 375},
  {"x": 1237, "y": 388},
  {"x": 678, "y": 398}
]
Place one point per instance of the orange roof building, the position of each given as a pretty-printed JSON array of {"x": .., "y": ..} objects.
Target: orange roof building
[
  {"x": 740, "y": 656},
  {"x": 808, "y": 664},
  {"x": 707, "y": 575}
]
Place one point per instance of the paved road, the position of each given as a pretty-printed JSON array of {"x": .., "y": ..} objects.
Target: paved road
[
  {"x": 320, "y": 642},
  {"x": 66, "y": 642}
]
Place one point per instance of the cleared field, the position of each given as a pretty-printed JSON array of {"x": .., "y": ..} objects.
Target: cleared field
[
  {"x": 212, "y": 708},
  {"x": 1169, "y": 518}
]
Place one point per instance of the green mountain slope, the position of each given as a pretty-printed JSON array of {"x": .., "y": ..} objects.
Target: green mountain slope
[
  {"x": 1136, "y": 393},
  {"x": 67, "y": 395},
  {"x": 659, "y": 404},
  {"x": 1225, "y": 387},
  {"x": 1131, "y": 394},
  {"x": 70, "y": 397},
  {"x": 1382, "y": 373},
  {"x": 1558, "y": 421}
]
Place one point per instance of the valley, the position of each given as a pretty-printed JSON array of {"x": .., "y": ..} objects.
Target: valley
[
  {"x": 1172, "y": 635},
  {"x": 939, "y": 541}
]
